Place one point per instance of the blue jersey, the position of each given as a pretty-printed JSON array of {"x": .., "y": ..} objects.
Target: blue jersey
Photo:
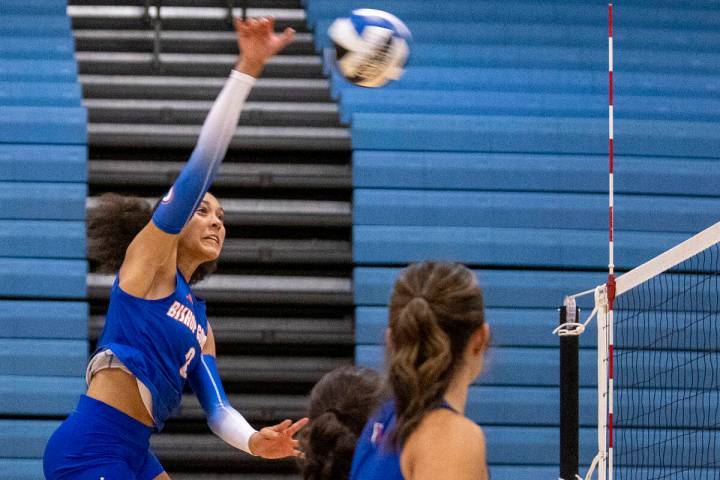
[
  {"x": 375, "y": 458},
  {"x": 159, "y": 341}
]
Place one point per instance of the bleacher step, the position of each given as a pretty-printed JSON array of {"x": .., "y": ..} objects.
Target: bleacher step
[
  {"x": 175, "y": 42},
  {"x": 184, "y": 136},
  {"x": 117, "y": 173},
  {"x": 254, "y": 289},
  {"x": 201, "y": 88},
  {"x": 193, "y": 64},
  {"x": 176, "y": 18},
  {"x": 268, "y": 331},
  {"x": 181, "y": 112}
]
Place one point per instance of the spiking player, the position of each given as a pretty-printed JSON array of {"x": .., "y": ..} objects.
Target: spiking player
[{"x": 156, "y": 336}]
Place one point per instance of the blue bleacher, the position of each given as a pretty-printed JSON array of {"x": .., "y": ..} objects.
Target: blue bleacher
[
  {"x": 43, "y": 268},
  {"x": 49, "y": 25},
  {"x": 492, "y": 150},
  {"x": 38, "y": 70},
  {"x": 533, "y": 172},
  {"x": 43, "y": 125},
  {"x": 538, "y": 210},
  {"x": 497, "y": 133},
  {"x": 43, "y": 163}
]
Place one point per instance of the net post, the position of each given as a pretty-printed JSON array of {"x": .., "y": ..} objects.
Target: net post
[{"x": 569, "y": 394}]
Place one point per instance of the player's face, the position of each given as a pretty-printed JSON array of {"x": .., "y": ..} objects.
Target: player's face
[{"x": 204, "y": 233}]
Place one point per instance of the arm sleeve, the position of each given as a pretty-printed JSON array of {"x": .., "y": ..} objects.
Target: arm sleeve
[
  {"x": 224, "y": 421},
  {"x": 176, "y": 208}
]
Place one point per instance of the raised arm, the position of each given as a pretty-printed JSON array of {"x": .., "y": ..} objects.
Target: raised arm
[{"x": 148, "y": 270}]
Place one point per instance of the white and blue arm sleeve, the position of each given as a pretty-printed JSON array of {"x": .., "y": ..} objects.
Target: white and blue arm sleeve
[
  {"x": 176, "y": 208},
  {"x": 224, "y": 421}
]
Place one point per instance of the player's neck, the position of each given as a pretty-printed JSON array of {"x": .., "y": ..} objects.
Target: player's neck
[{"x": 456, "y": 394}]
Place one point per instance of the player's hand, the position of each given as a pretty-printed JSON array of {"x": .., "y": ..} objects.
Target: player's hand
[
  {"x": 277, "y": 441},
  {"x": 258, "y": 42}
]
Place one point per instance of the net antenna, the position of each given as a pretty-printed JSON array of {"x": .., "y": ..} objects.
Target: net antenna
[{"x": 604, "y": 300}]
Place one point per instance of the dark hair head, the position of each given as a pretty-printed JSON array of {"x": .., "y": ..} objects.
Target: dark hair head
[
  {"x": 340, "y": 404},
  {"x": 434, "y": 309},
  {"x": 111, "y": 226}
]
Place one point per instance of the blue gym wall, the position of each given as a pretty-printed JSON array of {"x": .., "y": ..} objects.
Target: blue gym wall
[
  {"x": 492, "y": 150},
  {"x": 43, "y": 185}
]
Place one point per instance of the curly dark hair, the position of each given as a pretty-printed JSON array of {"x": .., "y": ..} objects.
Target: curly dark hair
[
  {"x": 340, "y": 405},
  {"x": 111, "y": 226}
]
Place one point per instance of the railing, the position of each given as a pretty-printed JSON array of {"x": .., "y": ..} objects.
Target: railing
[{"x": 153, "y": 19}]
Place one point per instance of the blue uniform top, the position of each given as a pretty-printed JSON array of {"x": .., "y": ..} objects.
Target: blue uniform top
[
  {"x": 374, "y": 458},
  {"x": 159, "y": 341}
]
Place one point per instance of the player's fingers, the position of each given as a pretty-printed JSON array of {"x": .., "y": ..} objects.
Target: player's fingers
[
  {"x": 287, "y": 37},
  {"x": 295, "y": 427},
  {"x": 282, "y": 426},
  {"x": 269, "y": 433}
]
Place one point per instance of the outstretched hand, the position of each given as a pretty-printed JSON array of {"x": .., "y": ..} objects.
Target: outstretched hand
[
  {"x": 277, "y": 441},
  {"x": 258, "y": 42}
]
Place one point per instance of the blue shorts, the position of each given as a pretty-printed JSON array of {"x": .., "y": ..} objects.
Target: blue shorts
[{"x": 98, "y": 441}]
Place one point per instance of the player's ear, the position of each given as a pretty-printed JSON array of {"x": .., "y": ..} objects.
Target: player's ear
[
  {"x": 480, "y": 340},
  {"x": 388, "y": 338}
]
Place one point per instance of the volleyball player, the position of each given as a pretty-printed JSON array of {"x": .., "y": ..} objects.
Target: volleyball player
[
  {"x": 435, "y": 344},
  {"x": 340, "y": 404},
  {"x": 157, "y": 337}
]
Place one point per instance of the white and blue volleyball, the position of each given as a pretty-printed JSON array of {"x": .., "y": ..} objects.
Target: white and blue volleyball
[{"x": 371, "y": 47}]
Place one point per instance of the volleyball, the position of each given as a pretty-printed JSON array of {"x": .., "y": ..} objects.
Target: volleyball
[{"x": 371, "y": 47}]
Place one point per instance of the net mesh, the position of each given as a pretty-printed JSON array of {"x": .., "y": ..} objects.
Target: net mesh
[{"x": 667, "y": 374}]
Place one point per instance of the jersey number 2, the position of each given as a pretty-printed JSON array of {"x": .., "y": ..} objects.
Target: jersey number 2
[{"x": 188, "y": 358}]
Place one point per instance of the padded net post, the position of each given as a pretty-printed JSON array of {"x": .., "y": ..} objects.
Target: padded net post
[{"x": 569, "y": 396}]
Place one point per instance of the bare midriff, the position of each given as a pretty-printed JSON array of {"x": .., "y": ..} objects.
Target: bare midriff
[{"x": 119, "y": 389}]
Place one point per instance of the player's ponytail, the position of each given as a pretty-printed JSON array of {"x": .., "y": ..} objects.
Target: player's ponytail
[
  {"x": 434, "y": 309},
  {"x": 111, "y": 226},
  {"x": 340, "y": 404}
]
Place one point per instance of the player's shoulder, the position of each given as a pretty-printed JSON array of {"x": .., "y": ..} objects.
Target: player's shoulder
[
  {"x": 445, "y": 432},
  {"x": 445, "y": 442}
]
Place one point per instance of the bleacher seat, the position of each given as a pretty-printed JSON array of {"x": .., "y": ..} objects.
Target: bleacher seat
[{"x": 43, "y": 184}]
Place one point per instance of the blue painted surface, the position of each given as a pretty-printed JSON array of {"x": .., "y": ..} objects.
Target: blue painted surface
[
  {"x": 533, "y": 172},
  {"x": 38, "y": 70},
  {"x": 29, "y": 47},
  {"x": 21, "y": 469},
  {"x": 25, "y": 438},
  {"x": 39, "y": 395},
  {"x": 42, "y": 278},
  {"x": 43, "y": 270},
  {"x": 529, "y": 80},
  {"x": 43, "y": 163},
  {"x": 33, "y": 94},
  {"x": 61, "y": 358},
  {"x": 702, "y": 17},
  {"x": 515, "y": 247},
  {"x": 541, "y": 104},
  {"x": 62, "y": 125},
  {"x": 43, "y": 201},
  {"x": 35, "y": 319},
  {"x": 49, "y": 25},
  {"x": 569, "y": 211},
  {"x": 42, "y": 239},
  {"x": 480, "y": 133}
]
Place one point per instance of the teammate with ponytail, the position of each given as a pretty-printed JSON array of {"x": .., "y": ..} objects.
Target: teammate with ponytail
[
  {"x": 340, "y": 404},
  {"x": 436, "y": 339},
  {"x": 157, "y": 337}
]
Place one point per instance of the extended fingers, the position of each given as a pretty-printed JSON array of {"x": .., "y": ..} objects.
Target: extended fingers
[{"x": 295, "y": 427}]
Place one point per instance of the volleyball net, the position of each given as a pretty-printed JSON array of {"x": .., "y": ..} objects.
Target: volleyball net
[{"x": 659, "y": 366}]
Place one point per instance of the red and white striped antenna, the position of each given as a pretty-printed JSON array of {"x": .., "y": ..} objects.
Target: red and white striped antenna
[{"x": 611, "y": 253}]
